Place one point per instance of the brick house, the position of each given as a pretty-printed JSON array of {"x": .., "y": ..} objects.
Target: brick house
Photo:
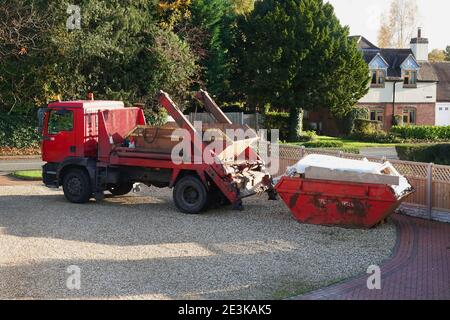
[{"x": 403, "y": 84}]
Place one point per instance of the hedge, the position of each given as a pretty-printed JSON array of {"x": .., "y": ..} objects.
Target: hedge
[
  {"x": 376, "y": 137},
  {"x": 324, "y": 144},
  {"x": 427, "y": 133},
  {"x": 18, "y": 131},
  {"x": 367, "y": 126},
  {"x": 435, "y": 153}
]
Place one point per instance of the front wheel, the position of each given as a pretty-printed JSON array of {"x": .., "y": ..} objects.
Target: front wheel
[
  {"x": 190, "y": 195},
  {"x": 77, "y": 186}
]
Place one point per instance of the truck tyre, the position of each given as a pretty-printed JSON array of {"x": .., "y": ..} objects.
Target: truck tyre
[
  {"x": 121, "y": 189},
  {"x": 77, "y": 186},
  {"x": 190, "y": 195}
]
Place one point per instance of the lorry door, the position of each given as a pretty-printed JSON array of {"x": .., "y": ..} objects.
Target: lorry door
[{"x": 59, "y": 135}]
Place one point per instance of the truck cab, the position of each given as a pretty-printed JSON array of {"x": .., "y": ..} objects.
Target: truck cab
[{"x": 70, "y": 134}]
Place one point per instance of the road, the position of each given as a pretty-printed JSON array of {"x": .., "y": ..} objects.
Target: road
[
  {"x": 389, "y": 152},
  {"x": 20, "y": 164}
]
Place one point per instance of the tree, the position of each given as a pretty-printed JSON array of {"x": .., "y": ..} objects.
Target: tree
[
  {"x": 211, "y": 18},
  {"x": 447, "y": 53},
  {"x": 399, "y": 24},
  {"x": 295, "y": 55},
  {"x": 119, "y": 53},
  {"x": 243, "y": 6},
  {"x": 436, "y": 55}
]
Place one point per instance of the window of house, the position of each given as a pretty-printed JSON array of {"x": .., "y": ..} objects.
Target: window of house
[
  {"x": 409, "y": 116},
  {"x": 410, "y": 77},
  {"x": 377, "y": 115},
  {"x": 378, "y": 77}
]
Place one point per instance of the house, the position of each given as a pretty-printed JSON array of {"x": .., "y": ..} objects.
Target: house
[
  {"x": 442, "y": 70},
  {"x": 403, "y": 87}
]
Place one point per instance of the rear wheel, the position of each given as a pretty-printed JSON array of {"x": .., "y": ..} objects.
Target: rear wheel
[
  {"x": 121, "y": 189},
  {"x": 77, "y": 186},
  {"x": 190, "y": 195}
]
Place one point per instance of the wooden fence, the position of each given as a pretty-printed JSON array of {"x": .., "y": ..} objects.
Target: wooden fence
[{"x": 432, "y": 182}]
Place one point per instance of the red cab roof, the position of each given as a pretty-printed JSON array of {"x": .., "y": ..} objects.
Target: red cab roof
[{"x": 88, "y": 104}]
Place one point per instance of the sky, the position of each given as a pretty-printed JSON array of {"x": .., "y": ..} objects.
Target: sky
[{"x": 363, "y": 18}]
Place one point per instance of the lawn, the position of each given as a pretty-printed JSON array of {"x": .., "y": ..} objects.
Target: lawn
[
  {"x": 31, "y": 175},
  {"x": 349, "y": 143}
]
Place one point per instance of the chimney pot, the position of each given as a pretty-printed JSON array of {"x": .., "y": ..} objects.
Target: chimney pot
[{"x": 419, "y": 33}]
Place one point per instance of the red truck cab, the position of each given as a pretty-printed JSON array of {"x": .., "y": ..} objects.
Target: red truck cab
[
  {"x": 70, "y": 138},
  {"x": 71, "y": 129}
]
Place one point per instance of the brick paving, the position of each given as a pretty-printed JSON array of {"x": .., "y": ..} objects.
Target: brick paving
[{"x": 419, "y": 268}]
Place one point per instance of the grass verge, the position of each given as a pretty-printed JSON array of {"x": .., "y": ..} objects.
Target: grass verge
[
  {"x": 349, "y": 143},
  {"x": 29, "y": 175}
]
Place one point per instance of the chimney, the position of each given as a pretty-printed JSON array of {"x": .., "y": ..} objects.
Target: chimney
[{"x": 419, "y": 46}]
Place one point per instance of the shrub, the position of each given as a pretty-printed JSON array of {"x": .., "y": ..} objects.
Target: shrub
[
  {"x": 376, "y": 137},
  {"x": 277, "y": 120},
  {"x": 422, "y": 133},
  {"x": 346, "y": 124},
  {"x": 435, "y": 153},
  {"x": 18, "y": 131},
  {"x": 307, "y": 136},
  {"x": 353, "y": 150},
  {"x": 367, "y": 126},
  {"x": 324, "y": 144}
]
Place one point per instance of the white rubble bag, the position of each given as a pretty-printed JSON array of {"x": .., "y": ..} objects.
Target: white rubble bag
[{"x": 341, "y": 169}]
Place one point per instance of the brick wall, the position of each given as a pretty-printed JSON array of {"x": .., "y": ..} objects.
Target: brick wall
[
  {"x": 425, "y": 112},
  {"x": 323, "y": 116},
  {"x": 425, "y": 115}
]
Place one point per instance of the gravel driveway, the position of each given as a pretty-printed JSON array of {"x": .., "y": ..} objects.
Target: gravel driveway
[{"x": 139, "y": 246}]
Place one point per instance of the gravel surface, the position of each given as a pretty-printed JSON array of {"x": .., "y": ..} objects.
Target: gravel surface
[{"x": 141, "y": 247}]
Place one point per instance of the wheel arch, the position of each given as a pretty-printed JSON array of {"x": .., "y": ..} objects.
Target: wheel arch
[
  {"x": 86, "y": 164},
  {"x": 178, "y": 174}
]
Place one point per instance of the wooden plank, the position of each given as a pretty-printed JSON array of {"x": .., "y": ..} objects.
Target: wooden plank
[{"x": 350, "y": 176}]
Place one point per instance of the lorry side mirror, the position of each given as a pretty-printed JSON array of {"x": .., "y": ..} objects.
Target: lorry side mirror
[{"x": 41, "y": 115}]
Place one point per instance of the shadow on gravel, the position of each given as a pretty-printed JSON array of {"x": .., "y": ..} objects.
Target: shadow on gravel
[
  {"x": 130, "y": 220},
  {"x": 142, "y": 246}
]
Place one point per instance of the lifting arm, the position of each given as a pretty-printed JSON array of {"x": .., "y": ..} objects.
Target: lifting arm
[{"x": 212, "y": 107}]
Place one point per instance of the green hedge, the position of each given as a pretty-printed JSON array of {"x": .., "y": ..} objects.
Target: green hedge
[
  {"x": 435, "y": 153},
  {"x": 18, "y": 131},
  {"x": 427, "y": 133},
  {"x": 324, "y": 144},
  {"x": 277, "y": 120},
  {"x": 376, "y": 137}
]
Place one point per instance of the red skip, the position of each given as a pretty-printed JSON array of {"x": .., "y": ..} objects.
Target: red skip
[{"x": 334, "y": 203}]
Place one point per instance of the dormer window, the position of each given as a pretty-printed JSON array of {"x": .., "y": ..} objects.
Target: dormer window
[
  {"x": 378, "y": 71},
  {"x": 378, "y": 78},
  {"x": 410, "y": 78},
  {"x": 410, "y": 69}
]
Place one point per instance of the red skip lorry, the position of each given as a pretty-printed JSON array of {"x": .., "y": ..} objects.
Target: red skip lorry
[{"x": 95, "y": 146}]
